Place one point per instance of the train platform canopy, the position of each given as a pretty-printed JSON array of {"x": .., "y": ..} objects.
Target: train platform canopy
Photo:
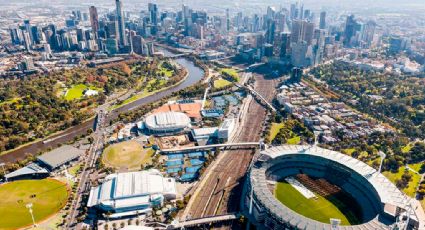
[
  {"x": 60, "y": 156},
  {"x": 29, "y": 171}
]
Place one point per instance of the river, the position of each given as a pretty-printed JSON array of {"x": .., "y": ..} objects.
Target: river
[{"x": 195, "y": 75}]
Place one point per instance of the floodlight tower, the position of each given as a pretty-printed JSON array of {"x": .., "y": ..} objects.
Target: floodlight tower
[
  {"x": 4, "y": 171},
  {"x": 29, "y": 207},
  {"x": 382, "y": 155}
]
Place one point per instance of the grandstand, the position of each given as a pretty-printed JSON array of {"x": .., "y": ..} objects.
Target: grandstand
[{"x": 377, "y": 203}]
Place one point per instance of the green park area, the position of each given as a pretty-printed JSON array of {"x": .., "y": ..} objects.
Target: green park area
[
  {"x": 318, "y": 208},
  {"x": 410, "y": 189},
  {"x": 77, "y": 91},
  {"x": 276, "y": 128},
  {"x": 128, "y": 155},
  {"x": 166, "y": 71},
  {"x": 47, "y": 197},
  {"x": 221, "y": 83},
  {"x": 232, "y": 73}
]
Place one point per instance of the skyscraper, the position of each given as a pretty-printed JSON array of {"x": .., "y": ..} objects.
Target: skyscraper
[
  {"x": 122, "y": 41},
  {"x": 302, "y": 30},
  {"x": 351, "y": 27},
  {"x": 94, "y": 20},
  {"x": 153, "y": 16},
  {"x": 285, "y": 44},
  {"x": 322, "y": 24}
]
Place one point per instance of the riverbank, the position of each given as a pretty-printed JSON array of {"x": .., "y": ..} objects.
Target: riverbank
[{"x": 195, "y": 74}]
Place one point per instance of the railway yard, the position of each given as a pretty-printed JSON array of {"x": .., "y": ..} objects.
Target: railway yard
[{"x": 220, "y": 193}]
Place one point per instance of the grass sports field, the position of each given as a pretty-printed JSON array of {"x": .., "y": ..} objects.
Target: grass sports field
[
  {"x": 128, "y": 154},
  {"x": 320, "y": 208},
  {"x": 47, "y": 196}
]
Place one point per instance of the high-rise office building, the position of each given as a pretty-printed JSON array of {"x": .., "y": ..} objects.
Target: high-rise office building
[
  {"x": 322, "y": 24},
  {"x": 367, "y": 33},
  {"x": 302, "y": 30},
  {"x": 270, "y": 32},
  {"x": 153, "y": 17},
  {"x": 122, "y": 41},
  {"x": 299, "y": 54},
  {"x": 94, "y": 20},
  {"x": 351, "y": 27},
  {"x": 285, "y": 44}
]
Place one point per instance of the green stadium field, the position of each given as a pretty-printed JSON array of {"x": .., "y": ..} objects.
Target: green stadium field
[
  {"x": 319, "y": 208},
  {"x": 48, "y": 196},
  {"x": 129, "y": 155}
]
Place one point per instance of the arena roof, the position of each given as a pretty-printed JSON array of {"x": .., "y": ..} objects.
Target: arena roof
[
  {"x": 387, "y": 191},
  {"x": 167, "y": 121},
  {"x": 131, "y": 189}
]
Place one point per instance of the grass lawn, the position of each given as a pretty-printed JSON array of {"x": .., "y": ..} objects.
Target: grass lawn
[
  {"x": 410, "y": 190},
  {"x": 294, "y": 141},
  {"x": 50, "y": 197},
  {"x": 349, "y": 152},
  {"x": 274, "y": 130},
  {"x": 231, "y": 72},
  {"x": 320, "y": 209},
  {"x": 74, "y": 169},
  {"x": 167, "y": 72},
  {"x": 221, "y": 83},
  {"x": 407, "y": 148},
  {"x": 76, "y": 92},
  {"x": 129, "y": 154}
]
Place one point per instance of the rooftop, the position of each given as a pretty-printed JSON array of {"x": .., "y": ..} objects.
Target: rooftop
[{"x": 60, "y": 156}]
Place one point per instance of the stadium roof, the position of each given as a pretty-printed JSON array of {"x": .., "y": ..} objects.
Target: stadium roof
[
  {"x": 60, "y": 156},
  {"x": 387, "y": 191},
  {"x": 167, "y": 121},
  {"x": 30, "y": 169}
]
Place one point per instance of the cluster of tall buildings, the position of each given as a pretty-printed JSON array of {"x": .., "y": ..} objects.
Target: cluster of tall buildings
[
  {"x": 293, "y": 36},
  {"x": 111, "y": 33}
]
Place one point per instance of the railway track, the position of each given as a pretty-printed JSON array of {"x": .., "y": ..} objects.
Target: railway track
[{"x": 221, "y": 192}]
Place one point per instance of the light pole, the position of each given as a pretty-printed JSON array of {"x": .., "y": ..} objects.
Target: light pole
[
  {"x": 29, "y": 207},
  {"x": 4, "y": 171},
  {"x": 382, "y": 155}
]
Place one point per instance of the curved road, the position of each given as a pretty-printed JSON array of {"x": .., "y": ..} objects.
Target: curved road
[{"x": 195, "y": 75}]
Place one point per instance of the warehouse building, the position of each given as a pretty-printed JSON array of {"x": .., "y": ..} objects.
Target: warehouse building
[{"x": 131, "y": 193}]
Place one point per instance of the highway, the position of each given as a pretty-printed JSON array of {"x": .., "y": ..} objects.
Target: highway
[{"x": 89, "y": 163}]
